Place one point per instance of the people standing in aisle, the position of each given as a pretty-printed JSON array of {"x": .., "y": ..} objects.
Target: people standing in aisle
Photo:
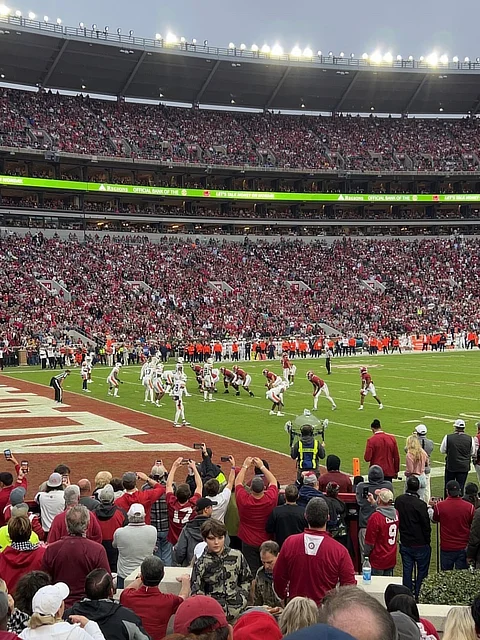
[
  {"x": 427, "y": 446},
  {"x": 57, "y": 383},
  {"x": 382, "y": 450}
]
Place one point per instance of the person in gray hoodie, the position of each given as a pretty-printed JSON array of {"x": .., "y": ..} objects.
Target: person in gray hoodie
[{"x": 375, "y": 481}]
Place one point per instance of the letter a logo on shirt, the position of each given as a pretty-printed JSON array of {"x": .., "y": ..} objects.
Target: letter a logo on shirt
[{"x": 312, "y": 544}]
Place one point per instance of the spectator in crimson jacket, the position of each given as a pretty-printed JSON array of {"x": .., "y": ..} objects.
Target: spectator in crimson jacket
[
  {"x": 286, "y": 519},
  {"x": 110, "y": 518},
  {"x": 254, "y": 509},
  {"x": 21, "y": 556},
  {"x": 71, "y": 559},
  {"x": 58, "y": 528},
  {"x": 145, "y": 599},
  {"x": 181, "y": 504},
  {"x": 335, "y": 475},
  {"x": 381, "y": 535},
  {"x": 312, "y": 563},
  {"x": 455, "y": 517},
  {"x": 133, "y": 496},
  {"x": 415, "y": 534},
  {"x": 8, "y": 483},
  {"x": 382, "y": 450}
]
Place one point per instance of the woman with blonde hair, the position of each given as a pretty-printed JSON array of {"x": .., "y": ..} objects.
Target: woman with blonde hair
[
  {"x": 48, "y": 607},
  {"x": 459, "y": 625},
  {"x": 299, "y": 613},
  {"x": 101, "y": 479},
  {"x": 416, "y": 461}
]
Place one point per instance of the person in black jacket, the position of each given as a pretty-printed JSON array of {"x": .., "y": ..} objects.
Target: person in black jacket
[
  {"x": 190, "y": 536},
  {"x": 115, "y": 621},
  {"x": 415, "y": 535},
  {"x": 287, "y": 519}
]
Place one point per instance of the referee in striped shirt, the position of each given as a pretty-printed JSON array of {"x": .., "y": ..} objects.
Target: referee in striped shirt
[{"x": 56, "y": 382}]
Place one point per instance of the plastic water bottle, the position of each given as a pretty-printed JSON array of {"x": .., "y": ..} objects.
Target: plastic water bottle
[{"x": 366, "y": 572}]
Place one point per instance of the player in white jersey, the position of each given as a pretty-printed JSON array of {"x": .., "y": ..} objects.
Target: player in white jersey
[
  {"x": 147, "y": 382},
  {"x": 181, "y": 375},
  {"x": 178, "y": 391},
  {"x": 168, "y": 378},
  {"x": 84, "y": 373},
  {"x": 158, "y": 388},
  {"x": 275, "y": 395},
  {"x": 146, "y": 365},
  {"x": 89, "y": 360},
  {"x": 208, "y": 386},
  {"x": 113, "y": 380}
]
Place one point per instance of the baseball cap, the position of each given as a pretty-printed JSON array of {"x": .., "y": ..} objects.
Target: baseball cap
[
  {"x": 203, "y": 503},
  {"x": 459, "y": 424},
  {"x": 196, "y": 607},
  {"x": 309, "y": 478},
  {"x": 158, "y": 470},
  {"x": 130, "y": 476},
  {"x": 407, "y": 628},
  {"x": 323, "y": 631},
  {"x": 256, "y": 625},
  {"x": 453, "y": 488},
  {"x": 385, "y": 495},
  {"x": 48, "y": 600},
  {"x": 17, "y": 495},
  {"x": 421, "y": 429},
  {"x": 55, "y": 480},
  {"x": 19, "y": 510},
  {"x": 106, "y": 494},
  {"x": 136, "y": 509}
]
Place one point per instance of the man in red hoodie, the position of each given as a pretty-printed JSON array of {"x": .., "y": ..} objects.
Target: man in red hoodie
[
  {"x": 133, "y": 496},
  {"x": 312, "y": 563},
  {"x": 382, "y": 450}
]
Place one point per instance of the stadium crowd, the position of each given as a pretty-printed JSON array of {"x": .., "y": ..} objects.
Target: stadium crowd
[
  {"x": 429, "y": 286},
  {"x": 79, "y": 124},
  {"x": 260, "y": 561}
]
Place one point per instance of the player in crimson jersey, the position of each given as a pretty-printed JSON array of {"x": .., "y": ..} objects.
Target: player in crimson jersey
[
  {"x": 197, "y": 370},
  {"x": 289, "y": 369},
  {"x": 381, "y": 534},
  {"x": 228, "y": 379},
  {"x": 319, "y": 387},
  {"x": 367, "y": 387},
  {"x": 242, "y": 379},
  {"x": 272, "y": 379}
]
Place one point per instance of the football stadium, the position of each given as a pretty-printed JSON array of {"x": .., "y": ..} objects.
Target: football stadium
[{"x": 239, "y": 339}]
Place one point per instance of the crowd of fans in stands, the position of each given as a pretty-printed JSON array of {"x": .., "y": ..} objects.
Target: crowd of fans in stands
[
  {"x": 430, "y": 285},
  {"x": 79, "y": 124}
]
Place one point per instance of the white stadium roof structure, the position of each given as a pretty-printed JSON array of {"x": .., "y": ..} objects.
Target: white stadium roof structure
[{"x": 34, "y": 53}]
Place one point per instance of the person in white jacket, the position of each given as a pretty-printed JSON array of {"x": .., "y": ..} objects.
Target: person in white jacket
[{"x": 46, "y": 621}]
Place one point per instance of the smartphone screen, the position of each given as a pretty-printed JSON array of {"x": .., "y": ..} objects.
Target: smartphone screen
[
  {"x": 24, "y": 466},
  {"x": 365, "y": 492},
  {"x": 225, "y": 459},
  {"x": 197, "y": 445},
  {"x": 7, "y": 453}
]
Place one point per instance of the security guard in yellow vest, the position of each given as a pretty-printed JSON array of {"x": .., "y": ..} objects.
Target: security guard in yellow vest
[{"x": 307, "y": 451}]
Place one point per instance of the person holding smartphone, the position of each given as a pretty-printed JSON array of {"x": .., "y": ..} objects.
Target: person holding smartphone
[
  {"x": 8, "y": 483},
  {"x": 375, "y": 482}
]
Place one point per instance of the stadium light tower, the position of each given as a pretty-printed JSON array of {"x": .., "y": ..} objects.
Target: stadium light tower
[
  {"x": 265, "y": 48},
  {"x": 307, "y": 53},
  {"x": 4, "y": 10},
  {"x": 171, "y": 38},
  {"x": 432, "y": 59},
  {"x": 399, "y": 58},
  {"x": 243, "y": 46},
  {"x": 376, "y": 57},
  {"x": 296, "y": 51},
  {"x": 18, "y": 13},
  {"x": 45, "y": 18},
  {"x": 444, "y": 59},
  {"x": 277, "y": 50},
  {"x": 31, "y": 15},
  {"x": 455, "y": 59},
  {"x": 466, "y": 59},
  {"x": 388, "y": 58},
  {"x": 364, "y": 56},
  {"x": 254, "y": 48},
  {"x": 59, "y": 21},
  {"x": 231, "y": 45}
]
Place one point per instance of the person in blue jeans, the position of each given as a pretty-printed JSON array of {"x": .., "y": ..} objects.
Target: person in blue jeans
[
  {"x": 415, "y": 535},
  {"x": 159, "y": 516}
]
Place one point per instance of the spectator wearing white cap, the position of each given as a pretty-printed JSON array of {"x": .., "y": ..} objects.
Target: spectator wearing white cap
[
  {"x": 46, "y": 622},
  {"x": 427, "y": 445},
  {"x": 459, "y": 449},
  {"x": 51, "y": 501},
  {"x": 134, "y": 542}
]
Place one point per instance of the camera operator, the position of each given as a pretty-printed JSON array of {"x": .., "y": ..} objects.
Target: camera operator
[{"x": 308, "y": 451}]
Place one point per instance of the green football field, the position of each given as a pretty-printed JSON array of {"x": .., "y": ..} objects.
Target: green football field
[{"x": 434, "y": 389}]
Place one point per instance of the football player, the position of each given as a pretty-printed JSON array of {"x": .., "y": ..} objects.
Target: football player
[
  {"x": 319, "y": 387},
  {"x": 242, "y": 379},
  {"x": 228, "y": 379},
  {"x": 113, "y": 380},
  {"x": 275, "y": 395},
  {"x": 367, "y": 387}
]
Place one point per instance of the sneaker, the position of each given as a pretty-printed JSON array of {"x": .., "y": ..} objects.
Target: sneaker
[
  {"x": 252, "y": 395},
  {"x": 334, "y": 406},
  {"x": 237, "y": 393},
  {"x": 88, "y": 390},
  {"x": 188, "y": 395},
  {"x": 380, "y": 406},
  {"x": 185, "y": 424},
  {"x": 109, "y": 393},
  {"x": 314, "y": 409},
  {"x": 280, "y": 414},
  {"x": 177, "y": 424},
  {"x": 272, "y": 413},
  {"x": 226, "y": 391},
  {"x": 211, "y": 400},
  {"x": 360, "y": 408}
]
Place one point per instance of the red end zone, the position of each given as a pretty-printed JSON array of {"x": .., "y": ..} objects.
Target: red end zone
[{"x": 92, "y": 435}]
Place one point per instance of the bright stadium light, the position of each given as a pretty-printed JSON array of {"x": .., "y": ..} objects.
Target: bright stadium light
[
  {"x": 4, "y": 10},
  {"x": 296, "y": 52},
  {"x": 364, "y": 56},
  {"x": 466, "y": 59},
  {"x": 81, "y": 25},
  {"x": 277, "y": 50},
  {"x": 59, "y": 21},
  {"x": 432, "y": 59},
  {"x": 158, "y": 36},
  {"x": 455, "y": 59},
  {"x": 171, "y": 38},
  {"x": 31, "y": 15},
  {"x": 18, "y": 13},
  {"x": 319, "y": 54},
  {"x": 399, "y": 58},
  {"x": 341, "y": 54},
  {"x": 376, "y": 57},
  {"x": 183, "y": 39},
  {"x": 307, "y": 53},
  {"x": 94, "y": 27},
  {"x": 330, "y": 54},
  {"x": 444, "y": 59},
  {"x": 254, "y": 48},
  {"x": 410, "y": 58},
  {"x": 388, "y": 58},
  {"x": 422, "y": 58},
  {"x": 194, "y": 41},
  {"x": 45, "y": 18},
  {"x": 265, "y": 48},
  {"x": 231, "y": 45},
  {"x": 243, "y": 46},
  {"x": 352, "y": 56}
]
